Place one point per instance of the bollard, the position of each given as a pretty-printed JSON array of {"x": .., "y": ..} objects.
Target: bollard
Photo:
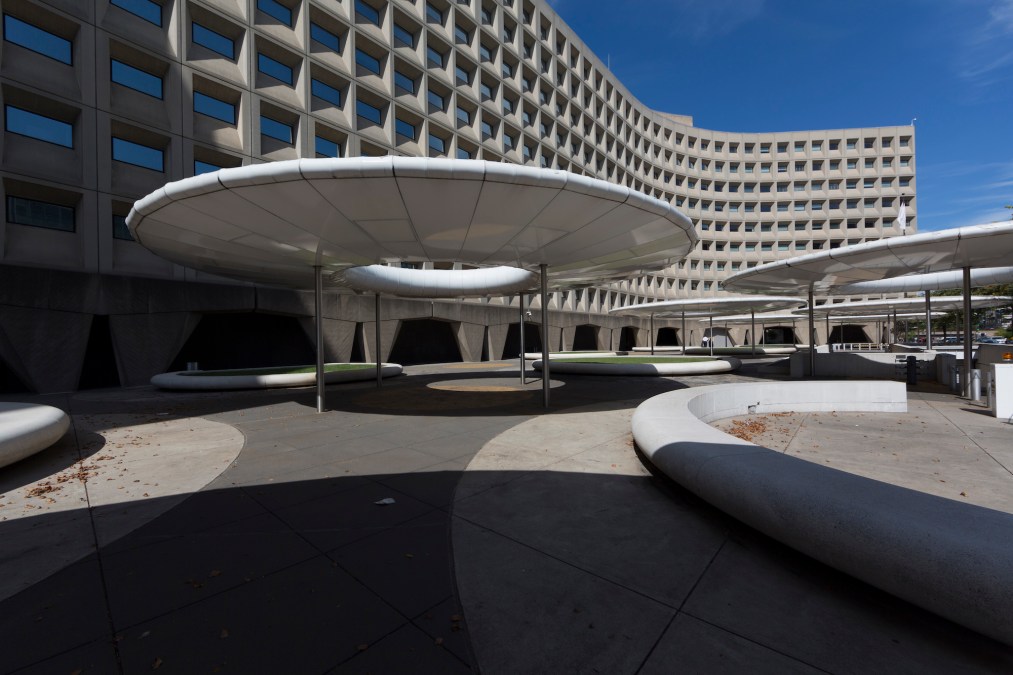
[
  {"x": 976, "y": 385},
  {"x": 912, "y": 370}
]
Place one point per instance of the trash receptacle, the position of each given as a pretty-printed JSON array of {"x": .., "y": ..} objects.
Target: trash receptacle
[{"x": 912, "y": 370}]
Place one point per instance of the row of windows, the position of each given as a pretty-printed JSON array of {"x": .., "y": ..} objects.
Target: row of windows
[
  {"x": 782, "y": 147},
  {"x": 799, "y": 167},
  {"x": 797, "y": 186},
  {"x": 52, "y": 216}
]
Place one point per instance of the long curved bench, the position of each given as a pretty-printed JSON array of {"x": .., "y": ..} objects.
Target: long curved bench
[
  {"x": 28, "y": 428},
  {"x": 952, "y": 558},
  {"x": 193, "y": 380},
  {"x": 723, "y": 365}
]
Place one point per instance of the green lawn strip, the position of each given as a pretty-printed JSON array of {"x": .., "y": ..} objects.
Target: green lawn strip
[
  {"x": 282, "y": 370},
  {"x": 633, "y": 359}
]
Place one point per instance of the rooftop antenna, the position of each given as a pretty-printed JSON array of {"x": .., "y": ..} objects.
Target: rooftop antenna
[{"x": 913, "y": 120}]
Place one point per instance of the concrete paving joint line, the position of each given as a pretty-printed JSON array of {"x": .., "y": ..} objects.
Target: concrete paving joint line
[{"x": 951, "y": 558}]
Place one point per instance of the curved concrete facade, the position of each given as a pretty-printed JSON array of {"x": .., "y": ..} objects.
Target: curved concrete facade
[{"x": 486, "y": 79}]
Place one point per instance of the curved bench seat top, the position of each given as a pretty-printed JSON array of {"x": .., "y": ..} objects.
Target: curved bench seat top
[
  {"x": 952, "y": 558},
  {"x": 187, "y": 380},
  {"x": 723, "y": 365},
  {"x": 28, "y": 428}
]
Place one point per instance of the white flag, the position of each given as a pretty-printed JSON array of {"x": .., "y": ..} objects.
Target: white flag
[{"x": 902, "y": 217}]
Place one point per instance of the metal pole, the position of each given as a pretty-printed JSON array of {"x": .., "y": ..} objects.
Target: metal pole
[
  {"x": 318, "y": 302},
  {"x": 829, "y": 346},
  {"x": 928, "y": 320},
  {"x": 752, "y": 328},
  {"x": 966, "y": 380},
  {"x": 652, "y": 333},
  {"x": 379, "y": 366},
  {"x": 523, "y": 364},
  {"x": 711, "y": 341},
  {"x": 893, "y": 328},
  {"x": 683, "y": 331},
  {"x": 545, "y": 334},
  {"x": 763, "y": 332},
  {"x": 812, "y": 335}
]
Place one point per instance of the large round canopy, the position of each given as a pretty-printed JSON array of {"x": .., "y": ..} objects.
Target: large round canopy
[
  {"x": 705, "y": 307},
  {"x": 976, "y": 246},
  {"x": 934, "y": 281},
  {"x": 947, "y": 303},
  {"x": 274, "y": 222},
  {"x": 759, "y": 318},
  {"x": 414, "y": 283}
]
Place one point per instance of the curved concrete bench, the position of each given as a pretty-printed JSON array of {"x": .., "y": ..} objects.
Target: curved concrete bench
[
  {"x": 192, "y": 380},
  {"x": 951, "y": 558},
  {"x": 28, "y": 428},
  {"x": 741, "y": 351},
  {"x": 723, "y": 365}
]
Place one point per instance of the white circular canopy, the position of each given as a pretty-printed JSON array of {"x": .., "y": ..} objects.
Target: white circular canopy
[
  {"x": 699, "y": 307},
  {"x": 274, "y": 222},
  {"x": 759, "y": 318},
  {"x": 934, "y": 281},
  {"x": 415, "y": 283},
  {"x": 947, "y": 303},
  {"x": 976, "y": 246}
]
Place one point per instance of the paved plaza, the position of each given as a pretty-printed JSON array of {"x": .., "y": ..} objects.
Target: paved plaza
[{"x": 443, "y": 523}]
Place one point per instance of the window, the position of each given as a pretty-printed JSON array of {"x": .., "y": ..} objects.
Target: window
[
  {"x": 852, "y": 142},
  {"x": 277, "y": 10},
  {"x": 870, "y": 163},
  {"x": 213, "y": 40},
  {"x": 325, "y": 147},
  {"x": 368, "y": 112},
  {"x": 509, "y": 141},
  {"x": 367, "y": 61},
  {"x": 852, "y": 164},
  {"x": 462, "y": 74},
  {"x": 461, "y": 36},
  {"x": 433, "y": 14},
  {"x": 904, "y": 182},
  {"x": 146, "y": 9},
  {"x": 33, "y": 125},
  {"x": 135, "y": 78},
  {"x": 404, "y": 82},
  {"x": 120, "y": 229},
  {"x": 139, "y": 155},
  {"x": 38, "y": 40},
  {"x": 817, "y": 146},
  {"x": 508, "y": 105},
  {"x": 835, "y": 164},
  {"x": 485, "y": 53},
  {"x": 367, "y": 12},
  {"x": 799, "y": 146},
  {"x": 437, "y": 144},
  {"x": 486, "y": 91},
  {"x": 435, "y": 58},
  {"x": 834, "y": 185},
  {"x": 800, "y": 206},
  {"x": 24, "y": 211},
  {"x": 869, "y": 183},
  {"x": 782, "y": 167},
  {"x": 852, "y": 184},
  {"x": 325, "y": 92},
  {"x": 403, "y": 36},
  {"x": 326, "y": 37},
  {"x": 272, "y": 128},
  {"x": 405, "y": 129},
  {"x": 507, "y": 70},
  {"x": 463, "y": 115},
  {"x": 905, "y": 162},
  {"x": 213, "y": 107},
  {"x": 200, "y": 167},
  {"x": 463, "y": 154},
  {"x": 487, "y": 131},
  {"x": 436, "y": 101},
  {"x": 799, "y": 166}
]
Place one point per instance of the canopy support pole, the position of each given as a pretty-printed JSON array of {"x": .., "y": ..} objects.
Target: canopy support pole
[
  {"x": 652, "y": 333},
  {"x": 812, "y": 335},
  {"x": 711, "y": 341},
  {"x": 318, "y": 302},
  {"x": 544, "y": 270},
  {"x": 752, "y": 329},
  {"x": 928, "y": 320},
  {"x": 683, "y": 331},
  {"x": 379, "y": 365},
  {"x": 966, "y": 380},
  {"x": 830, "y": 347},
  {"x": 523, "y": 364}
]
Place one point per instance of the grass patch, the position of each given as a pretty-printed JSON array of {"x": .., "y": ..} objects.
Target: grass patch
[
  {"x": 282, "y": 370},
  {"x": 634, "y": 359}
]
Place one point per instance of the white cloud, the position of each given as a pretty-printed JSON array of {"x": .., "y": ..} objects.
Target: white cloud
[{"x": 988, "y": 53}]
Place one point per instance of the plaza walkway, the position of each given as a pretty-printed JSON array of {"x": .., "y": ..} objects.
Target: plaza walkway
[{"x": 444, "y": 524}]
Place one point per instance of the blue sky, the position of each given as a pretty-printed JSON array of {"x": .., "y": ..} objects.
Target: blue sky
[{"x": 785, "y": 65}]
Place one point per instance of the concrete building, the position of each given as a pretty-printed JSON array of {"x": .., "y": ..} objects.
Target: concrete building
[{"x": 106, "y": 100}]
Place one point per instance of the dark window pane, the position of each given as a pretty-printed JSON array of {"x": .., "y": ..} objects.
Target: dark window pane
[
  {"x": 138, "y": 155},
  {"x": 275, "y": 129},
  {"x": 40, "y": 214},
  {"x": 436, "y": 101},
  {"x": 463, "y": 154},
  {"x": 367, "y": 61},
  {"x": 326, "y": 92},
  {"x": 135, "y": 78},
  {"x": 214, "y": 41},
  {"x": 435, "y": 58},
  {"x": 37, "y": 126},
  {"x": 146, "y": 9},
  {"x": 433, "y": 14},
  {"x": 213, "y": 107},
  {"x": 275, "y": 69},
  {"x": 325, "y": 37},
  {"x": 327, "y": 148},
  {"x": 277, "y": 10},
  {"x": 200, "y": 167},
  {"x": 437, "y": 143},
  {"x": 368, "y": 112},
  {"x": 403, "y": 81},
  {"x": 37, "y": 39},
  {"x": 404, "y": 36},
  {"x": 405, "y": 129},
  {"x": 368, "y": 12},
  {"x": 120, "y": 229}
]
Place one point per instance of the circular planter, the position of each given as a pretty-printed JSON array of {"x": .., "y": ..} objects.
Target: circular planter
[
  {"x": 28, "y": 428},
  {"x": 269, "y": 379},
  {"x": 625, "y": 365}
]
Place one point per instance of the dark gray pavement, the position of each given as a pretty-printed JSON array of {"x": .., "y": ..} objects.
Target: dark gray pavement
[{"x": 517, "y": 542}]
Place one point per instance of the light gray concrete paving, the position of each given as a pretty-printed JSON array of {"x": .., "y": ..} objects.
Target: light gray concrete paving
[{"x": 518, "y": 542}]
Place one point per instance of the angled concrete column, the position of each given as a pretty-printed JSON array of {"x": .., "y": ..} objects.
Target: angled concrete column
[{"x": 146, "y": 344}]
